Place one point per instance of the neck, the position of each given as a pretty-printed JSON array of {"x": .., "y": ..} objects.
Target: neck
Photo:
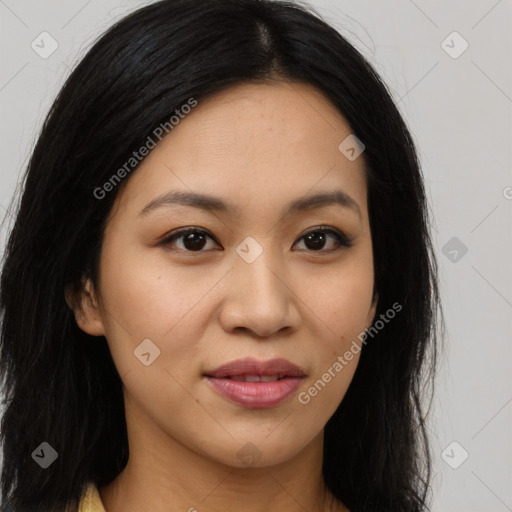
[{"x": 163, "y": 475}]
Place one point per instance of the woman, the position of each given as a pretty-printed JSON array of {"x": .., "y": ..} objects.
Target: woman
[{"x": 220, "y": 288}]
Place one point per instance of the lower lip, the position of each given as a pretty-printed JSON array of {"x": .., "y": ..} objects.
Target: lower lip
[{"x": 256, "y": 395}]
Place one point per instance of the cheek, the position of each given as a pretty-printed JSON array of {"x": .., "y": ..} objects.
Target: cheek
[
  {"x": 145, "y": 299},
  {"x": 341, "y": 307},
  {"x": 150, "y": 295},
  {"x": 326, "y": 389},
  {"x": 341, "y": 299}
]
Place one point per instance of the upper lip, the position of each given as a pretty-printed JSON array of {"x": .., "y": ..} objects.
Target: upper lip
[{"x": 251, "y": 366}]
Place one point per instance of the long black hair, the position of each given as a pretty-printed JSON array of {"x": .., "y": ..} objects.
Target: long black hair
[{"x": 61, "y": 386}]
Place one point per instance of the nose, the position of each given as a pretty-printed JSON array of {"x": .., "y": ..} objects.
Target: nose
[{"x": 259, "y": 298}]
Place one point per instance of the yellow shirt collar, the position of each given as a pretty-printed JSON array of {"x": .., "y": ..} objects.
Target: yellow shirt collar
[{"x": 91, "y": 500}]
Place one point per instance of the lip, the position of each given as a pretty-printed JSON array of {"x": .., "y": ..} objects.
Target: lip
[{"x": 256, "y": 395}]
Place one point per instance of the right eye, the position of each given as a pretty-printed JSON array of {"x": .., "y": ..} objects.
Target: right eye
[{"x": 194, "y": 239}]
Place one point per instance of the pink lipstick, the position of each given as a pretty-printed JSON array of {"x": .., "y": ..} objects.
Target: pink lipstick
[{"x": 255, "y": 384}]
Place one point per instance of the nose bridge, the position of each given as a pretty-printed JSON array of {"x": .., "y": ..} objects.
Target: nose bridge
[
  {"x": 256, "y": 266},
  {"x": 259, "y": 298}
]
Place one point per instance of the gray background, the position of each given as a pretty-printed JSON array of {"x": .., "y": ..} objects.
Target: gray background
[{"x": 459, "y": 111}]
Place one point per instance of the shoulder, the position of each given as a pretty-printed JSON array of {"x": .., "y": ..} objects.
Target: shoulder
[{"x": 89, "y": 502}]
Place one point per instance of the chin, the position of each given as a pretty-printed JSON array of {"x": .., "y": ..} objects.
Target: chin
[{"x": 258, "y": 451}]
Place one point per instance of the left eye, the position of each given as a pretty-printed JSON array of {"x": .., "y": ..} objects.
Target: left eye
[
  {"x": 194, "y": 239},
  {"x": 317, "y": 238}
]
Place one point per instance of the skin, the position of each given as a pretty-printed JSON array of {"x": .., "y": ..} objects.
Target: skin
[{"x": 258, "y": 147}]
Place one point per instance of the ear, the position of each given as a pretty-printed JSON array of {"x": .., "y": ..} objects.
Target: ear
[
  {"x": 373, "y": 310},
  {"x": 84, "y": 304}
]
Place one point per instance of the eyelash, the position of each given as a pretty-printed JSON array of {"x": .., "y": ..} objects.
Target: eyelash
[{"x": 341, "y": 238}]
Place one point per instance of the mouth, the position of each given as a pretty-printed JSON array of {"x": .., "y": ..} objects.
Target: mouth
[
  {"x": 256, "y": 378},
  {"x": 256, "y": 384}
]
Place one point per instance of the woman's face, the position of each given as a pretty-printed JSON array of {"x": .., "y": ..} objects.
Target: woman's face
[{"x": 256, "y": 279}]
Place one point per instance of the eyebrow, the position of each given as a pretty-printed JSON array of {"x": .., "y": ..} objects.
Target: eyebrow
[{"x": 212, "y": 203}]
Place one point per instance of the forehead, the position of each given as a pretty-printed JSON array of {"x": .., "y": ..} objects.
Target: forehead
[
  {"x": 257, "y": 144},
  {"x": 278, "y": 116}
]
